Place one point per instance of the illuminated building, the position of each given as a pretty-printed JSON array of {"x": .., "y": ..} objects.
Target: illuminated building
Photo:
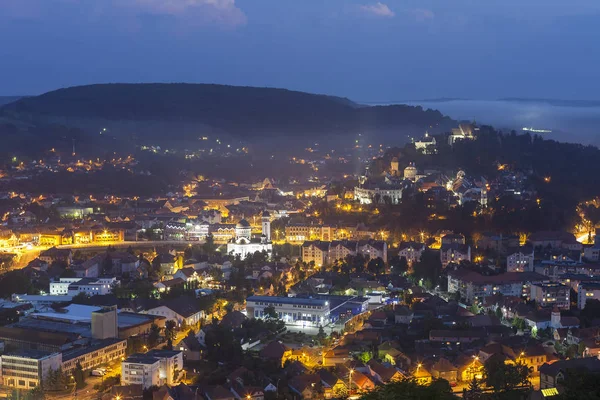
[
  {"x": 154, "y": 368},
  {"x": 291, "y": 310},
  {"x": 298, "y": 233},
  {"x": 244, "y": 245}
]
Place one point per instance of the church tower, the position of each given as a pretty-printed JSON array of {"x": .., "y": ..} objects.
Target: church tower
[{"x": 266, "y": 225}]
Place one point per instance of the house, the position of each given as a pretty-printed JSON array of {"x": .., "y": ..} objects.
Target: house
[
  {"x": 403, "y": 315},
  {"x": 411, "y": 251},
  {"x": 55, "y": 254},
  {"x": 421, "y": 375},
  {"x": 233, "y": 319},
  {"x": 276, "y": 351},
  {"x": 167, "y": 285},
  {"x": 456, "y": 336},
  {"x": 180, "y": 309},
  {"x": 552, "y": 373},
  {"x": 383, "y": 374},
  {"x": 373, "y": 249},
  {"x": 555, "y": 239},
  {"x": 469, "y": 368},
  {"x": 307, "y": 386},
  {"x": 90, "y": 268},
  {"x": 128, "y": 392},
  {"x": 315, "y": 251},
  {"x": 218, "y": 393},
  {"x": 191, "y": 348},
  {"x": 335, "y": 356},
  {"x": 520, "y": 259},
  {"x": 444, "y": 369},
  {"x": 454, "y": 253},
  {"x": 124, "y": 263},
  {"x": 187, "y": 274},
  {"x": 332, "y": 384},
  {"x": 360, "y": 382},
  {"x": 340, "y": 249}
]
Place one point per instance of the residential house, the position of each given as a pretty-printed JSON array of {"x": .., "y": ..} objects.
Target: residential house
[
  {"x": 373, "y": 249},
  {"x": 520, "y": 259},
  {"x": 411, "y": 251},
  {"x": 316, "y": 252},
  {"x": 454, "y": 253},
  {"x": 551, "y": 374}
]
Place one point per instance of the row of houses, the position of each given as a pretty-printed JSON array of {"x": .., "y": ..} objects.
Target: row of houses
[{"x": 324, "y": 252}]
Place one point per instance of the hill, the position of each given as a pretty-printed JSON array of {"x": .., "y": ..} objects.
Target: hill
[
  {"x": 185, "y": 110},
  {"x": 8, "y": 99}
]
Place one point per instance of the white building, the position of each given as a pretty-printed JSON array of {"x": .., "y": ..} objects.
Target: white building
[
  {"x": 454, "y": 253},
  {"x": 178, "y": 310},
  {"x": 291, "y": 310},
  {"x": 587, "y": 291},
  {"x": 520, "y": 260},
  {"x": 426, "y": 145},
  {"x": 411, "y": 251},
  {"x": 373, "y": 249},
  {"x": 27, "y": 369},
  {"x": 243, "y": 245},
  {"x": 89, "y": 286},
  {"x": 369, "y": 193},
  {"x": 154, "y": 368}
]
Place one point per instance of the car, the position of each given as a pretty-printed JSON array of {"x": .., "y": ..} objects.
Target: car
[{"x": 98, "y": 372}]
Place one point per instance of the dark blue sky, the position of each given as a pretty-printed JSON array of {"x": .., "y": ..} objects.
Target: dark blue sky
[{"x": 366, "y": 50}]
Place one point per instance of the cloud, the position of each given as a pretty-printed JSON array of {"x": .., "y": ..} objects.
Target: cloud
[
  {"x": 422, "y": 14},
  {"x": 221, "y": 12},
  {"x": 378, "y": 9},
  {"x": 198, "y": 12}
]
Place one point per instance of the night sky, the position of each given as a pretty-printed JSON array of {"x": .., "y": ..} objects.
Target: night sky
[{"x": 365, "y": 50}]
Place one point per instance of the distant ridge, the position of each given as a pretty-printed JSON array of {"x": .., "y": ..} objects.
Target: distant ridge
[
  {"x": 9, "y": 99},
  {"x": 235, "y": 110}
]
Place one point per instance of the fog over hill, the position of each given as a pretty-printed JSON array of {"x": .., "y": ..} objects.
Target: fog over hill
[{"x": 184, "y": 111}]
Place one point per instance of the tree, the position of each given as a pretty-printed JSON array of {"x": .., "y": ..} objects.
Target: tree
[
  {"x": 170, "y": 333},
  {"x": 321, "y": 336},
  {"x": 79, "y": 376},
  {"x": 376, "y": 266},
  {"x": 474, "y": 391},
  {"x": 505, "y": 377},
  {"x": 519, "y": 323},
  {"x": 270, "y": 313},
  {"x": 410, "y": 389},
  {"x": 428, "y": 267},
  {"x": 153, "y": 335},
  {"x": 209, "y": 246}
]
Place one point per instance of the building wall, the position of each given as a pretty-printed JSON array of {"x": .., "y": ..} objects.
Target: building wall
[
  {"x": 291, "y": 312},
  {"x": 22, "y": 372},
  {"x": 519, "y": 262},
  {"x": 147, "y": 375},
  {"x": 96, "y": 357}
]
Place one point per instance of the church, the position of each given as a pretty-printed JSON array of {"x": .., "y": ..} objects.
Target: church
[{"x": 243, "y": 244}]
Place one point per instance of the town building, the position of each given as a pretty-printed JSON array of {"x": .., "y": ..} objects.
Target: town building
[
  {"x": 316, "y": 252},
  {"x": 473, "y": 286},
  {"x": 291, "y": 310},
  {"x": 587, "y": 291},
  {"x": 373, "y": 249},
  {"x": 549, "y": 294},
  {"x": 426, "y": 144},
  {"x": 244, "y": 245},
  {"x": 411, "y": 251},
  {"x": 454, "y": 253},
  {"x": 299, "y": 233},
  {"x": 154, "y": 368},
  {"x": 520, "y": 259},
  {"x": 28, "y": 369},
  {"x": 89, "y": 286},
  {"x": 340, "y": 249}
]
